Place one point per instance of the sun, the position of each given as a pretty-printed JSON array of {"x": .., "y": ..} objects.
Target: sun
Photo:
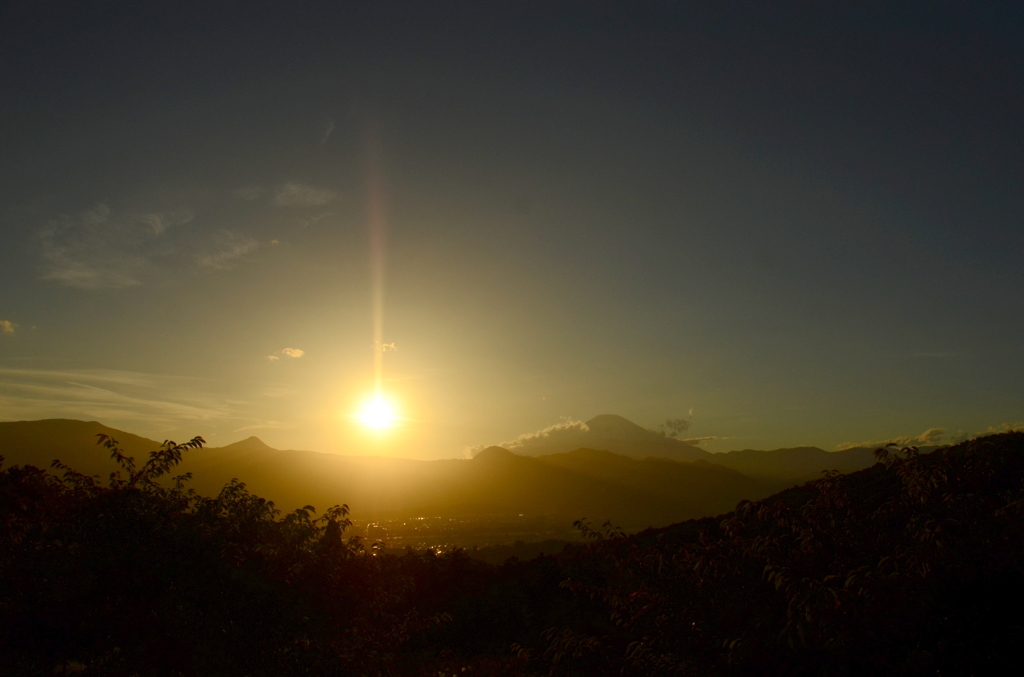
[{"x": 378, "y": 413}]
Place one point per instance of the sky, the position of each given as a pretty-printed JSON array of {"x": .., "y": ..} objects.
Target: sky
[{"x": 785, "y": 223}]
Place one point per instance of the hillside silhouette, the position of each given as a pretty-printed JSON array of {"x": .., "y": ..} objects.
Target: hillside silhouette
[
  {"x": 32, "y": 441},
  {"x": 626, "y": 474},
  {"x": 911, "y": 567},
  {"x": 795, "y": 464},
  {"x": 635, "y": 493}
]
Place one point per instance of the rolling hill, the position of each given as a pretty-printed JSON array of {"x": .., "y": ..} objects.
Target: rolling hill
[
  {"x": 613, "y": 469},
  {"x": 598, "y": 484},
  {"x": 618, "y": 435},
  {"x": 797, "y": 464}
]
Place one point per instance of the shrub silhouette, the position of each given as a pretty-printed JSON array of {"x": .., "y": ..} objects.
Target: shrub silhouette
[
  {"x": 136, "y": 573},
  {"x": 910, "y": 567}
]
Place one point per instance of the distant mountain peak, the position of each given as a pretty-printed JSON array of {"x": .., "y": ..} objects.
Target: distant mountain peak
[
  {"x": 613, "y": 423},
  {"x": 607, "y": 432},
  {"x": 493, "y": 453},
  {"x": 251, "y": 443}
]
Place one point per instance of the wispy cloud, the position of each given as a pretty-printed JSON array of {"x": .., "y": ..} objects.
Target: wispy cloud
[
  {"x": 227, "y": 249},
  {"x": 293, "y": 353},
  {"x": 313, "y": 220},
  {"x": 384, "y": 347},
  {"x": 250, "y": 192},
  {"x": 567, "y": 428},
  {"x": 101, "y": 249},
  {"x": 7, "y": 327},
  {"x": 929, "y": 437},
  {"x": 278, "y": 391},
  {"x": 934, "y": 436},
  {"x": 160, "y": 222},
  {"x": 110, "y": 396},
  {"x": 698, "y": 440},
  {"x": 299, "y": 195},
  {"x": 674, "y": 427},
  {"x": 266, "y": 425},
  {"x": 328, "y": 130},
  {"x": 1004, "y": 428}
]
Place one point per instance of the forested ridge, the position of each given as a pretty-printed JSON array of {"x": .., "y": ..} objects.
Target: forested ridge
[{"x": 913, "y": 566}]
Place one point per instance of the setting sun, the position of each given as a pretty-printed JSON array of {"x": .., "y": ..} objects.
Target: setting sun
[{"x": 378, "y": 412}]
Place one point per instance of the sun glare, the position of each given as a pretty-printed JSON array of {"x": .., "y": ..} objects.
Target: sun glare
[{"x": 378, "y": 413}]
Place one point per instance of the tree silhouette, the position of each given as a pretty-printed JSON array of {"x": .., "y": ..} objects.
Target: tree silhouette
[{"x": 910, "y": 567}]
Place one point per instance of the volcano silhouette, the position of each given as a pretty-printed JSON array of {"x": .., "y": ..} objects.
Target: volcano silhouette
[{"x": 608, "y": 432}]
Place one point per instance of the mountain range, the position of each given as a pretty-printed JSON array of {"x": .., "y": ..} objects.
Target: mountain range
[
  {"x": 635, "y": 477},
  {"x": 610, "y": 433},
  {"x": 621, "y": 436}
]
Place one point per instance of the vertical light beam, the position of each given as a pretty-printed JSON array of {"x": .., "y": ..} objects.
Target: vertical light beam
[{"x": 377, "y": 223}]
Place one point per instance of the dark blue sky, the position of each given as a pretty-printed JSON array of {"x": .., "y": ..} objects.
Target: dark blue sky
[{"x": 804, "y": 223}]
